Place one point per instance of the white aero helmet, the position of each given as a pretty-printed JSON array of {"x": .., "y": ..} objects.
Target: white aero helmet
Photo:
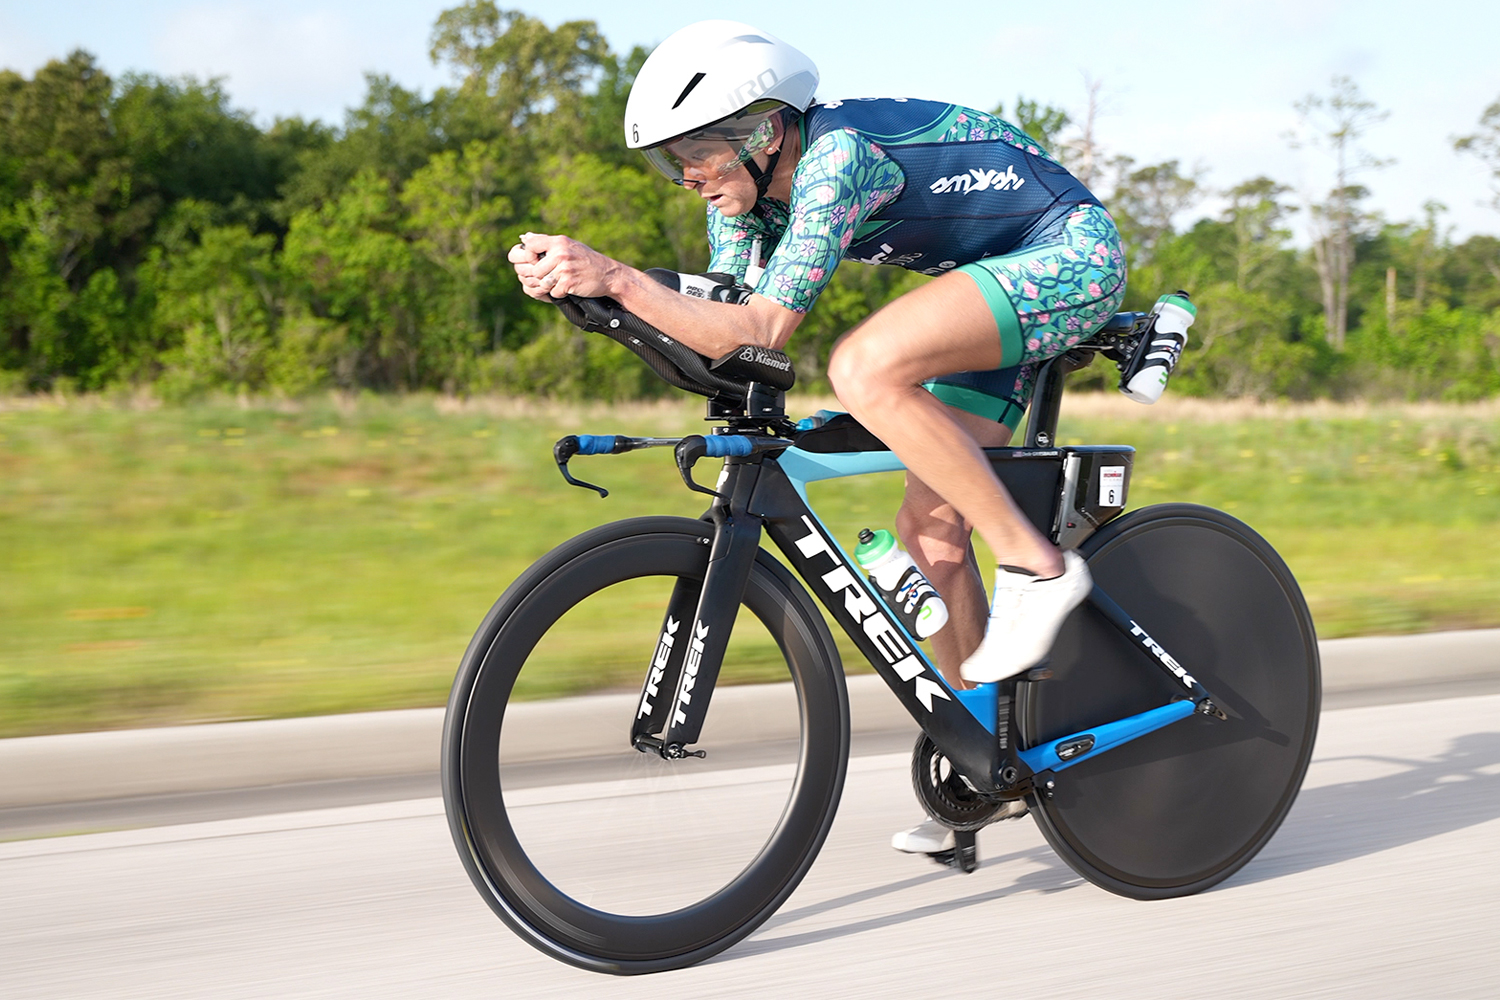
[{"x": 708, "y": 95}]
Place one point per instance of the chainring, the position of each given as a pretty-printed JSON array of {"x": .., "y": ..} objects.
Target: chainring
[{"x": 944, "y": 793}]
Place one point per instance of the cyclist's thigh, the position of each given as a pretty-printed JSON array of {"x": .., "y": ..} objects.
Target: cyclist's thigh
[
  {"x": 1046, "y": 298},
  {"x": 1054, "y": 293},
  {"x": 942, "y": 326}
]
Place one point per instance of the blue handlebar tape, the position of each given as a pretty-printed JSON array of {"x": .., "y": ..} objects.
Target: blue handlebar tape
[
  {"x": 596, "y": 444},
  {"x": 720, "y": 445}
]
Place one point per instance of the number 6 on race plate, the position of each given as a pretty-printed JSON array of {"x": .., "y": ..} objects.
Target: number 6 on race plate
[{"x": 1112, "y": 486}]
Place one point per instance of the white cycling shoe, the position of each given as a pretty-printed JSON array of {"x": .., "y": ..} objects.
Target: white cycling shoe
[
  {"x": 1024, "y": 620},
  {"x": 932, "y": 837},
  {"x": 927, "y": 837}
]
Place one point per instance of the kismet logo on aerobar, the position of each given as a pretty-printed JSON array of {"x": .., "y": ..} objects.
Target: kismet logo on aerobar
[
  {"x": 859, "y": 606},
  {"x": 762, "y": 357}
]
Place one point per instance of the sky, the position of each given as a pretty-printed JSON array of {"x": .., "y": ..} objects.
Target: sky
[{"x": 1210, "y": 84}]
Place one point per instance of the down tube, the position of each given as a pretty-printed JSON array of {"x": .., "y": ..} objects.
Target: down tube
[{"x": 835, "y": 579}]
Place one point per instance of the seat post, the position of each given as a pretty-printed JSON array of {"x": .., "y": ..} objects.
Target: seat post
[{"x": 1046, "y": 401}]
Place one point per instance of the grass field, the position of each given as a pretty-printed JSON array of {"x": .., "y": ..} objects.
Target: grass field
[{"x": 164, "y": 565}]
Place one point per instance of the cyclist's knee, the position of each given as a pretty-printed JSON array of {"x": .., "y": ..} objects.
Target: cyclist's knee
[
  {"x": 861, "y": 367},
  {"x": 848, "y": 371}
]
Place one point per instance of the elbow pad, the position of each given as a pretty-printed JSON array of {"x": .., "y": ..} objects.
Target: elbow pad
[{"x": 712, "y": 286}]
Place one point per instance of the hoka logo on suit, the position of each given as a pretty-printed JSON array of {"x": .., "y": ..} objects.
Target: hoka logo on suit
[{"x": 978, "y": 180}]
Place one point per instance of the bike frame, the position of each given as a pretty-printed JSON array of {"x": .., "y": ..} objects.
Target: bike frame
[
  {"x": 764, "y": 488},
  {"x": 976, "y": 730}
]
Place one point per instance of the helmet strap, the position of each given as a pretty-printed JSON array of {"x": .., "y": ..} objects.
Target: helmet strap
[{"x": 763, "y": 178}]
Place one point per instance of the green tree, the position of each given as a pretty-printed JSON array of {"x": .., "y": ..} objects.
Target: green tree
[
  {"x": 350, "y": 268},
  {"x": 626, "y": 213},
  {"x": 184, "y": 140},
  {"x": 219, "y": 301},
  {"x": 392, "y": 134},
  {"x": 1145, "y": 203},
  {"x": 455, "y": 212},
  {"x": 1485, "y": 144},
  {"x": 523, "y": 73},
  {"x": 1337, "y": 122},
  {"x": 1043, "y": 122}
]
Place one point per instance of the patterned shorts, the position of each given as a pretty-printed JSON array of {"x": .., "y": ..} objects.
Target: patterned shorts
[{"x": 1046, "y": 297}]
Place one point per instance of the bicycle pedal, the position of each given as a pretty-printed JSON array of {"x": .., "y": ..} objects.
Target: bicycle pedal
[
  {"x": 1039, "y": 674},
  {"x": 964, "y": 855}
]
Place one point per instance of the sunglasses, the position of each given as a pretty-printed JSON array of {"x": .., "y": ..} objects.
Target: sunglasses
[{"x": 717, "y": 150}]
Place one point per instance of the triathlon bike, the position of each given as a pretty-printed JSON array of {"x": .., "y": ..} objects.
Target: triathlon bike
[{"x": 1159, "y": 747}]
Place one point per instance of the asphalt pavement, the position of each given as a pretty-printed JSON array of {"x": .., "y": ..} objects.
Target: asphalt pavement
[
  {"x": 91, "y": 782},
  {"x": 1383, "y": 883}
]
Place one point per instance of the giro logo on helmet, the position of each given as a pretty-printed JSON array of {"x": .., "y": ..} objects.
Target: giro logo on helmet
[{"x": 745, "y": 94}]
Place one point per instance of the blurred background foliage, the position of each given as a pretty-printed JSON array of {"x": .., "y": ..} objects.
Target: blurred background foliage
[
  {"x": 154, "y": 236},
  {"x": 242, "y": 559}
]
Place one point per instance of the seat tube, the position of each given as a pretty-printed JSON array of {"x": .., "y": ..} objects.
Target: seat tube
[{"x": 704, "y": 641}]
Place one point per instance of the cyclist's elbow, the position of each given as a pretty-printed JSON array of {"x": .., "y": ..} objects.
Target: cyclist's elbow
[{"x": 771, "y": 323}]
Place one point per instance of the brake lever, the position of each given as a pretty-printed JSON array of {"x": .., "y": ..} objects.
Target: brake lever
[
  {"x": 564, "y": 450},
  {"x": 687, "y": 453}
]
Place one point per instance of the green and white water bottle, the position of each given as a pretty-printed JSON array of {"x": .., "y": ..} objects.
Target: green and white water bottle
[
  {"x": 1159, "y": 349},
  {"x": 899, "y": 581}
]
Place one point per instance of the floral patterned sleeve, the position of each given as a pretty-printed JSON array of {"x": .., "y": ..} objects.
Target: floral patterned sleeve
[
  {"x": 730, "y": 241},
  {"x": 841, "y": 181}
]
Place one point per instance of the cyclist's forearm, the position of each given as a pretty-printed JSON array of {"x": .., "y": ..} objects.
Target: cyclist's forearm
[{"x": 711, "y": 328}]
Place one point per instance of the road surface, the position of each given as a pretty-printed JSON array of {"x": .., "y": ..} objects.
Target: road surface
[{"x": 1384, "y": 882}]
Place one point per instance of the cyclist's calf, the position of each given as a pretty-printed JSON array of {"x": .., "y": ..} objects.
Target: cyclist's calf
[{"x": 938, "y": 538}]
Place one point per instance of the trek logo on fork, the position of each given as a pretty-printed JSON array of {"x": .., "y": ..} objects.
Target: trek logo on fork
[
  {"x": 690, "y": 672},
  {"x": 659, "y": 665},
  {"x": 859, "y": 606}
]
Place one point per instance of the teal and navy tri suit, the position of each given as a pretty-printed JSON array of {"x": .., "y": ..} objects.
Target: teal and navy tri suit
[{"x": 932, "y": 188}]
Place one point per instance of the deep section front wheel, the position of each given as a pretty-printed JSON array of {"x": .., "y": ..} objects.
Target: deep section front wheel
[
  {"x": 603, "y": 856},
  {"x": 1184, "y": 807}
]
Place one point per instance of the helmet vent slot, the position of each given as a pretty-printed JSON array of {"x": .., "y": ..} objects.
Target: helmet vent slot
[{"x": 697, "y": 78}]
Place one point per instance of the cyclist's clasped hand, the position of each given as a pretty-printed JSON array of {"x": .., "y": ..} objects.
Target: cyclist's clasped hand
[{"x": 551, "y": 267}]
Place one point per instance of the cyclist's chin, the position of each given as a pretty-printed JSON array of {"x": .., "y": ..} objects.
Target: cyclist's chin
[{"x": 729, "y": 201}]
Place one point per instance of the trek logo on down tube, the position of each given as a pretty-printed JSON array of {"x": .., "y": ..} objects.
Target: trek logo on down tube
[{"x": 859, "y": 606}]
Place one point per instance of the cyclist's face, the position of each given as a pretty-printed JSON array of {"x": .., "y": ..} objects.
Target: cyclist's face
[
  {"x": 732, "y": 195},
  {"x": 715, "y": 167}
]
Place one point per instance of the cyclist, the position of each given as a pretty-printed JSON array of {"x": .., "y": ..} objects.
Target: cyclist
[{"x": 1026, "y": 260}]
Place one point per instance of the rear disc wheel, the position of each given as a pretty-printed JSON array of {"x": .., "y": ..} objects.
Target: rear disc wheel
[{"x": 1186, "y": 806}]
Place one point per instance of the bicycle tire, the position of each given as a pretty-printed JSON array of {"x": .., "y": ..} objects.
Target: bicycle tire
[
  {"x": 497, "y": 862},
  {"x": 1185, "y": 807}
]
